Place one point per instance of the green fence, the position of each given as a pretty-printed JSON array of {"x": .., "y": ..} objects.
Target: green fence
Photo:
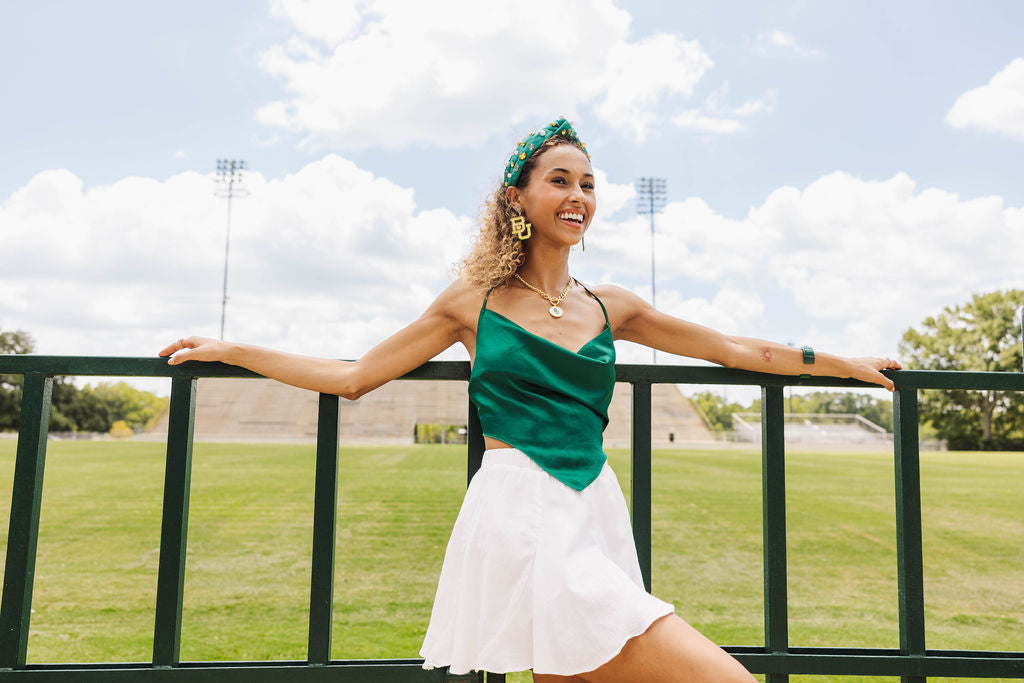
[{"x": 912, "y": 661}]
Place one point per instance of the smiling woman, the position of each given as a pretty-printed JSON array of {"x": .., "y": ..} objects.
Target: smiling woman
[{"x": 543, "y": 539}]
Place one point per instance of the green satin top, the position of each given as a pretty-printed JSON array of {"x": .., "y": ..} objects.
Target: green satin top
[{"x": 538, "y": 396}]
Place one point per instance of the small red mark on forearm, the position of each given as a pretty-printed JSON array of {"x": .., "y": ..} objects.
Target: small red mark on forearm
[{"x": 766, "y": 354}]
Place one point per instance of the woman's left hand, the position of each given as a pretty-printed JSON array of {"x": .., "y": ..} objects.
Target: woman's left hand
[
  {"x": 867, "y": 369},
  {"x": 196, "y": 348}
]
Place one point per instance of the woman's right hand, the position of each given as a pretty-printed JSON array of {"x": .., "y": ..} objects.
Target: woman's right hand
[{"x": 196, "y": 348}]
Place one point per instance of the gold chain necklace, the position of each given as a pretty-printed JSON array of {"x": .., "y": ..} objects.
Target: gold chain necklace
[{"x": 555, "y": 311}]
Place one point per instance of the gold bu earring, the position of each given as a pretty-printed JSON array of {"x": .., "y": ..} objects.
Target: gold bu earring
[{"x": 520, "y": 228}]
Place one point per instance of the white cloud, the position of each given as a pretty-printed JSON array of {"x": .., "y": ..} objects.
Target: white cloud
[
  {"x": 694, "y": 120},
  {"x": 717, "y": 117},
  {"x": 612, "y": 197},
  {"x": 640, "y": 74},
  {"x": 776, "y": 41},
  {"x": 864, "y": 259},
  {"x": 997, "y": 107},
  {"x": 180, "y": 154},
  {"x": 317, "y": 258},
  {"x": 332, "y": 259},
  {"x": 730, "y": 311},
  {"x": 399, "y": 73},
  {"x": 329, "y": 21}
]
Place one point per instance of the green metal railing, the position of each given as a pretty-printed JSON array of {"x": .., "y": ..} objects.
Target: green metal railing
[{"x": 911, "y": 661}]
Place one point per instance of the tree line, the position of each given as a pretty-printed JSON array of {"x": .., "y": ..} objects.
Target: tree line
[{"x": 73, "y": 409}]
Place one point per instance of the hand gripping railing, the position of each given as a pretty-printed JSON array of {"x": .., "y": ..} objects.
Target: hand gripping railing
[{"x": 912, "y": 661}]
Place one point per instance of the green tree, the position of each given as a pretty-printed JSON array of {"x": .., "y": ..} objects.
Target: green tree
[
  {"x": 17, "y": 341},
  {"x": 96, "y": 409},
  {"x": 717, "y": 412},
  {"x": 64, "y": 391},
  {"x": 73, "y": 409},
  {"x": 980, "y": 335}
]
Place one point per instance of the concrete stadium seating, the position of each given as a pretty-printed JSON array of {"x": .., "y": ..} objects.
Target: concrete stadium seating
[{"x": 265, "y": 410}]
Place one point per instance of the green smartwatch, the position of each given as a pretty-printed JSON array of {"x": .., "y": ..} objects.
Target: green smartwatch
[
  {"x": 808, "y": 355},
  {"x": 808, "y": 358}
]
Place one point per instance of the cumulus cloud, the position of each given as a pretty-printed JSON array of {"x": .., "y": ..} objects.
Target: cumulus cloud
[
  {"x": 332, "y": 259},
  {"x": 864, "y": 259},
  {"x": 317, "y": 258},
  {"x": 775, "y": 41},
  {"x": 716, "y": 117},
  {"x": 393, "y": 74},
  {"x": 730, "y": 311},
  {"x": 997, "y": 107}
]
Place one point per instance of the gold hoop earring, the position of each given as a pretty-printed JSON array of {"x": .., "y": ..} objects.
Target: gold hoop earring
[
  {"x": 583, "y": 242},
  {"x": 520, "y": 228}
]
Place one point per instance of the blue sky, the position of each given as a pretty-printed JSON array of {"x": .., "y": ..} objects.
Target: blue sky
[{"x": 821, "y": 189}]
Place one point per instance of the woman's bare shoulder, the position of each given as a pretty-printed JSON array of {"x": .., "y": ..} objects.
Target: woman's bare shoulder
[
  {"x": 622, "y": 305},
  {"x": 614, "y": 294},
  {"x": 461, "y": 301}
]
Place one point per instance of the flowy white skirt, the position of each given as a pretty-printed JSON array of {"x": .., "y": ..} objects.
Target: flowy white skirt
[{"x": 537, "y": 575}]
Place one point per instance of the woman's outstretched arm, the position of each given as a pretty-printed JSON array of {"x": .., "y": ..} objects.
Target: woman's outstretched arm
[
  {"x": 438, "y": 328},
  {"x": 640, "y": 322}
]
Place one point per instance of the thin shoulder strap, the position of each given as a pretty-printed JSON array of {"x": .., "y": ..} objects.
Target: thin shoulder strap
[
  {"x": 484, "y": 304},
  {"x": 595, "y": 296}
]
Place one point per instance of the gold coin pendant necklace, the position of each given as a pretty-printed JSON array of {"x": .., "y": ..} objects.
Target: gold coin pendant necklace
[{"x": 555, "y": 310}]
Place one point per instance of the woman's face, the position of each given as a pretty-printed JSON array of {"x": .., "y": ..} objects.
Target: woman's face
[{"x": 559, "y": 199}]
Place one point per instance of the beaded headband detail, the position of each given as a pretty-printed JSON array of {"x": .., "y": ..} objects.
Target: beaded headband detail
[{"x": 532, "y": 142}]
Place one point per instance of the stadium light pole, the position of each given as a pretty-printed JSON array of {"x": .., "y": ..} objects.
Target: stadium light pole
[
  {"x": 229, "y": 185},
  {"x": 650, "y": 198}
]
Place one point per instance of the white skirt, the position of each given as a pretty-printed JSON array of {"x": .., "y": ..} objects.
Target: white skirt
[{"x": 537, "y": 575}]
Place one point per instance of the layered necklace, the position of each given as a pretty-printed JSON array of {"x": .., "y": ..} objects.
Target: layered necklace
[{"x": 555, "y": 311}]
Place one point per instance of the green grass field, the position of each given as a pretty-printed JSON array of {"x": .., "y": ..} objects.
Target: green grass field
[{"x": 250, "y": 538}]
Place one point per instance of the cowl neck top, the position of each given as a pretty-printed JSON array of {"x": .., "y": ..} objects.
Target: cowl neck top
[{"x": 546, "y": 400}]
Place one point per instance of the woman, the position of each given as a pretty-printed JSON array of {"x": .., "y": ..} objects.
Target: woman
[{"x": 541, "y": 571}]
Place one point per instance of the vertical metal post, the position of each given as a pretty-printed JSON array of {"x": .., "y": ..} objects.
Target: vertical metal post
[
  {"x": 909, "y": 553},
  {"x": 773, "y": 496},
  {"x": 325, "y": 506},
  {"x": 474, "y": 443},
  {"x": 640, "y": 477},
  {"x": 23, "y": 532},
  {"x": 170, "y": 583}
]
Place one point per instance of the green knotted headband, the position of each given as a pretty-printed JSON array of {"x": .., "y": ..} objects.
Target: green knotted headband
[{"x": 532, "y": 142}]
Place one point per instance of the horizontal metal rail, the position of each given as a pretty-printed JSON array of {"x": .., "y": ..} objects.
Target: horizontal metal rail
[
  {"x": 912, "y": 661},
  {"x": 130, "y": 366}
]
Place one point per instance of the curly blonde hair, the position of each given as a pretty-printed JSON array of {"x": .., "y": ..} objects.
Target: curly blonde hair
[{"x": 496, "y": 253}]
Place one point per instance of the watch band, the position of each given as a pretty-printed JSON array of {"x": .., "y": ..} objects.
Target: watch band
[{"x": 808, "y": 355}]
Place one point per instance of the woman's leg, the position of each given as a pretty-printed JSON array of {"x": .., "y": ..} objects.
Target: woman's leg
[{"x": 670, "y": 651}]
